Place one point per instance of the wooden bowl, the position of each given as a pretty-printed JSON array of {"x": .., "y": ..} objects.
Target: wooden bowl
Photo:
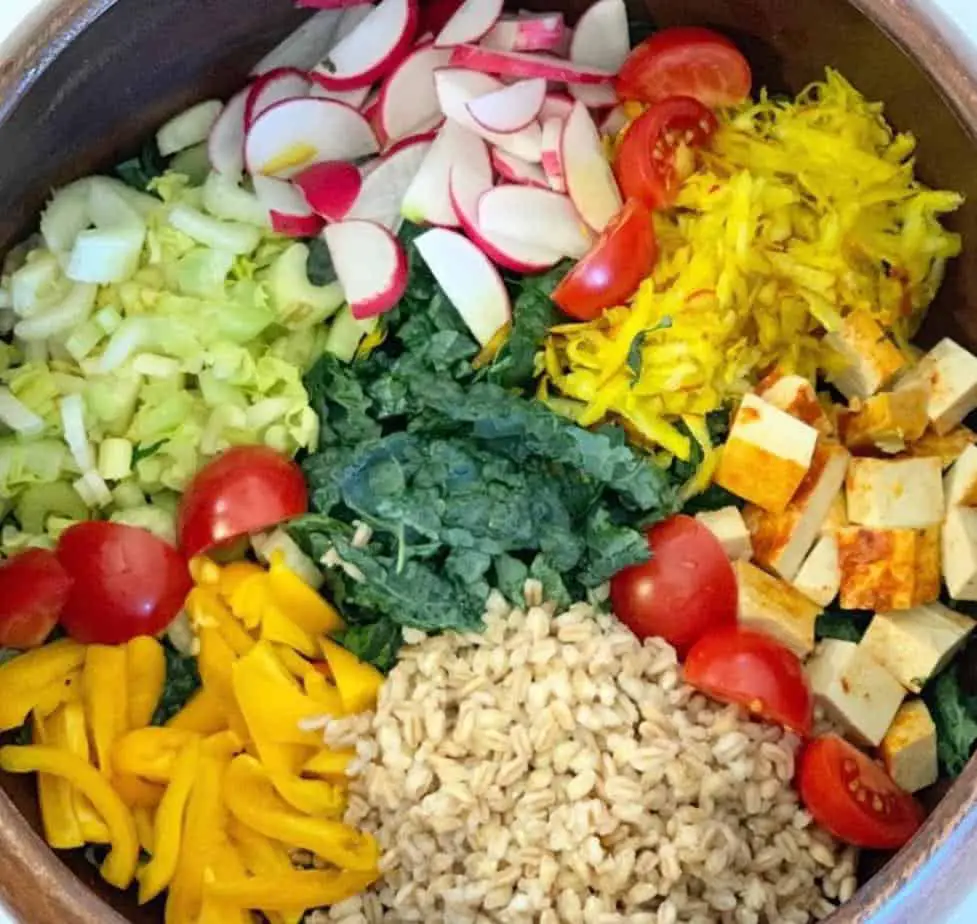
[{"x": 84, "y": 84}]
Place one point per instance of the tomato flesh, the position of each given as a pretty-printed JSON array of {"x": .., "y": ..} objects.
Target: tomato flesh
[
  {"x": 611, "y": 272},
  {"x": 687, "y": 588},
  {"x": 242, "y": 491},
  {"x": 851, "y": 796},
  {"x": 752, "y": 670},
  {"x": 33, "y": 591},
  {"x": 125, "y": 582},
  {"x": 686, "y": 61}
]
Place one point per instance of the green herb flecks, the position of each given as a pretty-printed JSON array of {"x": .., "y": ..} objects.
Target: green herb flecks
[{"x": 635, "y": 356}]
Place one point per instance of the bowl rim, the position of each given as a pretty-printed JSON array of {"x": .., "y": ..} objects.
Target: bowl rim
[{"x": 28, "y": 867}]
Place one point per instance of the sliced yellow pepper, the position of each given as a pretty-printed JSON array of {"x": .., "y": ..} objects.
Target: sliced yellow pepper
[
  {"x": 330, "y": 764},
  {"x": 135, "y": 792},
  {"x": 277, "y": 627},
  {"x": 358, "y": 682},
  {"x": 146, "y": 668},
  {"x": 104, "y": 686},
  {"x": 303, "y": 606},
  {"x": 298, "y": 890},
  {"x": 151, "y": 752},
  {"x": 206, "y": 608},
  {"x": 263, "y": 857},
  {"x": 145, "y": 827},
  {"x": 215, "y": 661},
  {"x": 72, "y": 734},
  {"x": 201, "y": 714},
  {"x": 317, "y": 687},
  {"x": 225, "y": 864},
  {"x": 62, "y": 829},
  {"x": 232, "y": 576},
  {"x": 250, "y": 595},
  {"x": 204, "y": 571},
  {"x": 29, "y": 678},
  {"x": 119, "y": 866},
  {"x": 293, "y": 662}
]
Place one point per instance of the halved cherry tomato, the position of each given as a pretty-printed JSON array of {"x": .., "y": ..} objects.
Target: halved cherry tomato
[
  {"x": 33, "y": 591},
  {"x": 242, "y": 491},
  {"x": 654, "y": 156},
  {"x": 752, "y": 670},
  {"x": 611, "y": 272},
  {"x": 125, "y": 582},
  {"x": 686, "y": 61},
  {"x": 687, "y": 588},
  {"x": 853, "y": 797}
]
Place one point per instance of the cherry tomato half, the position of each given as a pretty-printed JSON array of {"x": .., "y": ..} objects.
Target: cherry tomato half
[
  {"x": 125, "y": 582},
  {"x": 242, "y": 491},
  {"x": 33, "y": 591},
  {"x": 754, "y": 671},
  {"x": 687, "y": 588},
  {"x": 853, "y": 797},
  {"x": 686, "y": 61},
  {"x": 611, "y": 272},
  {"x": 654, "y": 156}
]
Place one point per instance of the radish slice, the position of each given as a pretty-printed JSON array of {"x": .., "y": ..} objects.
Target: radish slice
[
  {"x": 552, "y": 157},
  {"x": 374, "y": 48},
  {"x": 225, "y": 146},
  {"x": 525, "y": 64},
  {"x": 289, "y": 212},
  {"x": 516, "y": 170},
  {"x": 614, "y": 121},
  {"x": 383, "y": 189},
  {"x": 297, "y": 132},
  {"x": 469, "y": 280},
  {"x": 408, "y": 100},
  {"x": 472, "y": 20},
  {"x": 527, "y": 32},
  {"x": 273, "y": 87},
  {"x": 435, "y": 15},
  {"x": 556, "y": 106},
  {"x": 330, "y": 188},
  {"x": 511, "y": 108},
  {"x": 349, "y": 20},
  {"x": 305, "y": 47},
  {"x": 456, "y": 87},
  {"x": 329, "y": 4},
  {"x": 370, "y": 264},
  {"x": 189, "y": 127},
  {"x": 534, "y": 216},
  {"x": 601, "y": 38},
  {"x": 594, "y": 97},
  {"x": 354, "y": 98},
  {"x": 589, "y": 178}
]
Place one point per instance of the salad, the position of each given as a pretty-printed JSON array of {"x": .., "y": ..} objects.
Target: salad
[{"x": 483, "y": 471}]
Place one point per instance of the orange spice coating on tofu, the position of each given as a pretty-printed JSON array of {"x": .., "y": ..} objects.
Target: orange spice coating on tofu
[
  {"x": 890, "y": 419},
  {"x": 878, "y": 568}
]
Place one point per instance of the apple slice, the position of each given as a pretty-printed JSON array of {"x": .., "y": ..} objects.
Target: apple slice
[
  {"x": 509, "y": 109},
  {"x": 516, "y": 170},
  {"x": 297, "y": 132},
  {"x": 527, "y": 32},
  {"x": 471, "y": 21},
  {"x": 330, "y": 188},
  {"x": 374, "y": 48},
  {"x": 589, "y": 178},
  {"x": 526, "y": 64},
  {"x": 384, "y": 188},
  {"x": 473, "y": 285},
  {"x": 408, "y": 100},
  {"x": 272, "y": 87},
  {"x": 552, "y": 157},
  {"x": 370, "y": 264},
  {"x": 225, "y": 146},
  {"x": 289, "y": 212},
  {"x": 304, "y": 47},
  {"x": 539, "y": 217}
]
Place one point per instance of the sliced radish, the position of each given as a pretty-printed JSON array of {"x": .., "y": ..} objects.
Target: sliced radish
[
  {"x": 614, "y": 121},
  {"x": 330, "y": 4},
  {"x": 601, "y": 37},
  {"x": 473, "y": 285},
  {"x": 471, "y": 21},
  {"x": 297, "y": 132},
  {"x": 534, "y": 216},
  {"x": 374, "y": 48},
  {"x": 556, "y": 106},
  {"x": 457, "y": 87},
  {"x": 408, "y": 99},
  {"x": 516, "y": 170},
  {"x": 594, "y": 97},
  {"x": 350, "y": 18},
  {"x": 589, "y": 178},
  {"x": 526, "y": 64},
  {"x": 305, "y": 47},
  {"x": 527, "y": 32},
  {"x": 273, "y": 87},
  {"x": 289, "y": 212},
  {"x": 225, "y": 146},
  {"x": 435, "y": 15},
  {"x": 370, "y": 264},
  {"x": 383, "y": 189},
  {"x": 354, "y": 98},
  {"x": 510, "y": 108},
  {"x": 552, "y": 157},
  {"x": 330, "y": 188}
]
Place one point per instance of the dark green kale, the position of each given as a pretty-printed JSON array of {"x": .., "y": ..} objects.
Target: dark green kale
[
  {"x": 376, "y": 643},
  {"x": 318, "y": 265},
  {"x": 954, "y": 711},
  {"x": 182, "y": 681},
  {"x": 139, "y": 171},
  {"x": 714, "y": 497},
  {"x": 847, "y": 625}
]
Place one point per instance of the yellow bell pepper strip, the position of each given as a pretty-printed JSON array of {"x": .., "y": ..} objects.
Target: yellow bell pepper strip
[
  {"x": 146, "y": 668},
  {"x": 317, "y": 687},
  {"x": 224, "y": 864},
  {"x": 277, "y": 627},
  {"x": 135, "y": 792},
  {"x": 303, "y": 606},
  {"x": 72, "y": 734},
  {"x": 151, "y": 753},
  {"x": 263, "y": 857},
  {"x": 232, "y": 576},
  {"x": 299, "y": 889},
  {"x": 249, "y": 596},
  {"x": 159, "y": 871},
  {"x": 58, "y": 816},
  {"x": 56, "y": 694},
  {"x": 206, "y": 609},
  {"x": 204, "y": 571},
  {"x": 358, "y": 682},
  {"x": 331, "y": 765},
  {"x": 104, "y": 692},
  {"x": 145, "y": 827},
  {"x": 215, "y": 661},
  {"x": 252, "y": 799},
  {"x": 201, "y": 714},
  {"x": 25, "y": 679},
  {"x": 119, "y": 866},
  {"x": 311, "y": 797},
  {"x": 225, "y": 744},
  {"x": 292, "y": 661}
]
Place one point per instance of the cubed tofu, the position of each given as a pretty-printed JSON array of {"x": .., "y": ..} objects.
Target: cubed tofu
[
  {"x": 959, "y": 543},
  {"x": 837, "y": 515},
  {"x": 854, "y": 689},
  {"x": 895, "y": 493},
  {"x": 909, "y": 747},
  {"x": 870, "y": 359},
  {"x": 819, "y": 578},
  {"x": 950, "y": 372},
  {"x": 915, "y": 644},
  {"x": 960, "y": 483},
  {"x": 946, "y": 447},
  {"x": 887, "y": 421},
  {"x": 926, "y": 588},
  {"x": 877, "y": 568},
  {"x": 729, "y": 527},
  {"x": 782, "y": 540},
  {"x": 766, "y": 456},
  {"x": 796, "y": 396},
  {"x": 771, "y": 605}
]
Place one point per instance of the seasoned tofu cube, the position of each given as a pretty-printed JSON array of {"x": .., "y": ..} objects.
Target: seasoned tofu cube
[
  {"x": 819, "y": 578},
  {"x": 909, "y": 747},
  {"x": 782, "y": 540},
  {"x": 837, "y": 515},
  {"x": 796, "y": 396},
  {"x": 869, "y": 358},
  {"x": 916, "y": 644},
  {"x": 950, "y": 373},
  {"x": 927, "y": 586},
  {"x": 766, "y": 456},
  {"x": 877, "y": 568},
  {"x": 895, "y": 493},
  {"x": 854, "y": 689},
  {"x": 887, "y": 421},
  {"x": 947, "y": 447},
  {"x": 960, "y": 482},
  {"x": 729, "y": 527},
  {"x": 771, "y": 605},
  {"x": 959, "y": 543}
]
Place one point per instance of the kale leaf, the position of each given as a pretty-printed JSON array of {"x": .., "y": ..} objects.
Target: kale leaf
[
  {"x": 182, "y": 681},
  {"x": 139, "y": 171},
  {"x": 714, "y": 497},
  {"x": 847, "y": 625},
  {"x": 318, "y": 265},
  {"x": 376, "y": 643},
  {"x": 954, "y": 713}
]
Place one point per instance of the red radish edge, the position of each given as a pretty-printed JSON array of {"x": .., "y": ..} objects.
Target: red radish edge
[
  {"x": 470, "y": 22},
  {"x": 510, "y": 109},
  {"x": 269, "y": 79},
  {"x": 516, "y": 170},
  {"x": 330, "y": 188},
  {"x": 525, "y": 64},
  {"x": 225, "y": 146},
  {"x": 380, "y": 301},
  {"x": 400, "y": 90}
]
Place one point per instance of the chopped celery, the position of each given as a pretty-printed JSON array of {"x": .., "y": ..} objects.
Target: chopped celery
[
  {"x": 17, "y": 416},
  {"x": 203, "y": 271},
  {"x": 278, "y": 541},
  {"x": 345, "y": 334},
  {"x": 105, "y": 255},
  {"x": 225, "y": 198},
  {"x": 235, "y": 237},
  {"x": 38, "y": 502},
  {"x": 128, "y": 494},
  {"x": 73, "y": 310},
  {"x": 108, "y": 319},
  {"x": 93, "y": 490},
  {"x": 36, "y": 284},
  {"x": 83, "y": 340},
  {"x": 193, "y": 163},
  {"x": 297, "y": 302},
  {"x": 115, "y": 459},
  {"x": 157, "y": 520}
]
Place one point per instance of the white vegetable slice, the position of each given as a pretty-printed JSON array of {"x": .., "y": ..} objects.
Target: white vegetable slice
[
  {"x": 590, "y": 181},
  {"x": 106, "y": 255},
  {"x": 552, "y": 154},
  {"x": 66, "y": 216},
  {"x": 188, "y": 128},
  {"x": 75, "y": 434},
  {"x": 471, "y": 21},
  {"x": 601, "y": 37},
  {"x": 527, "y": 32},
  {"x": 273, "y": 87},
  {"x": 510, "y": 108},
  {"x": 288, "y": 209},
  {"x": 225, "y": 198},
  {"x": 92, "y": 489},
  {"x": 304, "y": 47},
  {"x": 526, "y": 64},
  {"x": 408, "y": 100},
  {"x": 534, "y": 216},
  {"x": 279, "y": 542},
  {"x": 370, "y": 264},
  {"x": 330, "y": 188},
  {"x": 385, "y": 187},
  {"x": 234, "y": 237},
  {"x": 614, "y": 121},
  {"x": 516, "y": 170},
  {"x": 556, "y": 106},
  {"x": 225, "y": 146},
  {"x": 18, "y": 416}
]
